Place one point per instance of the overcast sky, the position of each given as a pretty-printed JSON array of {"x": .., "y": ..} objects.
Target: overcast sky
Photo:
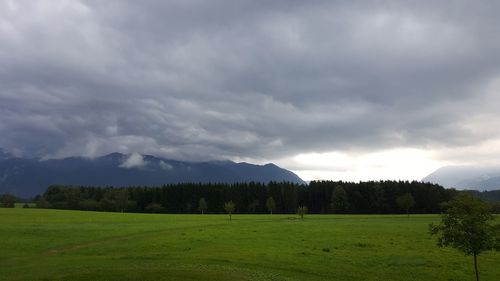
[{"x": 329, "y": 89}]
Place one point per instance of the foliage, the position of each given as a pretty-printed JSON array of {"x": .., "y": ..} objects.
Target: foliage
[
  {"x": 486, "y": 195},
  {"x": 7, "y": 200},
  {"x": 89, "y": 205},
  {"x": 301, "y": 211},
  {"x": 467, "y": 225},
  {"x": 42, "y": 203},
  {"x": 495, "y": 208},
  {"x": 229, "y": 207},
  {"x": 252, "y": 207},
  {"x": 121, "y": 199},
  {"x": 355, "y": 198},
  {"x": 202, "y": 205},
  {"x": 154, "y": 208},
  {"x": 270, "y": 205},
  {"x": 339, "y": 201},
  {"x": 406, "y": 202}
]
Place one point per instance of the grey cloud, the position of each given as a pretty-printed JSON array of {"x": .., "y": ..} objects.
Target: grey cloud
[{"x": 245, "y": 79}]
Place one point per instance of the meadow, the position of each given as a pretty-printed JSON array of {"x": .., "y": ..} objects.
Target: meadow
[{"x": 39, "y": 244}]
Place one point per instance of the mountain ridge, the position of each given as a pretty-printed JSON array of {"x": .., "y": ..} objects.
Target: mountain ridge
[
  {"x": 466, "y": 177},
  {"x": 27, "y": 177}
]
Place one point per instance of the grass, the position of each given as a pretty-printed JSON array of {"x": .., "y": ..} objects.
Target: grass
[{"x": 40, "y": 244}]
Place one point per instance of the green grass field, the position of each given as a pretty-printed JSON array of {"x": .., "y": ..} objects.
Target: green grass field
[{"x": 72, "y": 245}]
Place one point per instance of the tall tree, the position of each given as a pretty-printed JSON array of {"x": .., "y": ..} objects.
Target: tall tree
[
  {"x": 379, "y": 203},
  {"x": 121, "y": 199},
  {"x": 467, "y": 226},
  {"x": 270, "y": 205},
  {"x": 202, "y": 205},
  {"x": 320, "y": 197},
  {"x": 41, "y": 202},
  {"x": 253, "y": 205},
  {"x": 73, "y": 197},
  {"x": 339, "y": 201},
  {"x": 406, "y": 202},
  {"x": 229, "y": 207}
]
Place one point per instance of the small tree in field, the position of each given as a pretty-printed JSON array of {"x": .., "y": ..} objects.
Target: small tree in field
[
  {"x": 270, "y": 205},
  {"x": 406, "y": 202},
  {"x": 229, "y": 208},
  {"x": 202, "y": 205},
  {"x": 467, "y": 226},
  {"x": 302, "y": 210}
]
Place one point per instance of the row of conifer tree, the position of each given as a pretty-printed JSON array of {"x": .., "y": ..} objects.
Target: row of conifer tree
[{"x": 372, "y": 197}]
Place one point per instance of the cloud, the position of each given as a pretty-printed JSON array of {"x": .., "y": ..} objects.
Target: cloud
[
  {"x": 395, "y": 164},
  {"x": 134, "y": 160},
  {"x": 193, "y": 80},
  {"x": 165, "y": 166}
]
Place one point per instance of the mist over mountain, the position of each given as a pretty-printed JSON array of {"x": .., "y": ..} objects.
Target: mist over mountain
[
  {"x": 28, "y": 177},
  {"x": 467, "y": 177}
]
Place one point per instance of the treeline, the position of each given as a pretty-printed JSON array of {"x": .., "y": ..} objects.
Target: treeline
[
  {"x": 320, "y": 197},
  {"x": 487, "y": 196},
  {"x": 491, "y": 197}
]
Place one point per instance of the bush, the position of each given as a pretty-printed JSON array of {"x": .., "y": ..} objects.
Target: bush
[
  {"x": 89, "y": 205},
  {"x": 154, "y": 208},
  {"x": 7, "y": 200},
  {"x": 42, "y": 203}
]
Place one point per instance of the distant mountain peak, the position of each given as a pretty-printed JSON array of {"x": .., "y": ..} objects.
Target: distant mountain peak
[
  {"x": 114, "y": 155},
  {"x": 466, "y": 177}
]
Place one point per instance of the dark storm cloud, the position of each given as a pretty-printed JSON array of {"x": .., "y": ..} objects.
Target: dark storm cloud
[{"x": 256, "y": 79}]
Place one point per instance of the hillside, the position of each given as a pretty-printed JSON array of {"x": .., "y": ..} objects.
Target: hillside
[
  {"x": 466, "y": 177},
  {"x": 27, "y": 177}
]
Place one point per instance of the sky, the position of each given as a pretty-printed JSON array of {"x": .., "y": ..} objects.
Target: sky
[{"x": 341, "y": 90}]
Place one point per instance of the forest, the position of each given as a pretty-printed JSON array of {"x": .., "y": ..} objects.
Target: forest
[{"x": 320, "y": 197}]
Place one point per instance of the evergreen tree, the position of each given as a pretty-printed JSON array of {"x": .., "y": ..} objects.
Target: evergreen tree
[
  {"x": 253, "y": 206},
  {"x": 121, "y": 199},
  {"x": 320, "y": 197},
  {"x": 406, "y": 202},
  {"x": 339, "y": 200}
]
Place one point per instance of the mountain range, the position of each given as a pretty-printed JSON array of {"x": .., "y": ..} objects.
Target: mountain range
[
  {"x": 25, "y": 177},
  {"x": 466, "y": 177}
]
